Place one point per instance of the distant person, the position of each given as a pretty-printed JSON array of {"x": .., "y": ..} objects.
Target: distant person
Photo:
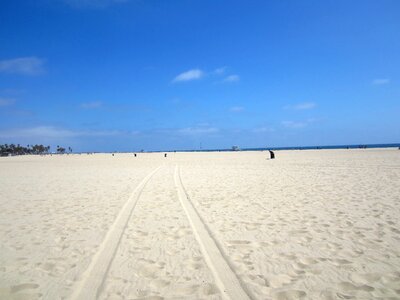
[
  {"x": 113, "y": 154},
  {"x": 165, "y": 154},
  {"x": 272, "y": 154},
  {"x": 135, "y": 154}
]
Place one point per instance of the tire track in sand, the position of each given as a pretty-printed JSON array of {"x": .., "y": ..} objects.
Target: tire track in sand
[
  {"x": 93, "y": 278},
  {"x": 226, "y": 279}
]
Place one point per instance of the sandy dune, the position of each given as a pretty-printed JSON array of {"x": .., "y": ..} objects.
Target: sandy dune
[{"x": 321, "y": 224}]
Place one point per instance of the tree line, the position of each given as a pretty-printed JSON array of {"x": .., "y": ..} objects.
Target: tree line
[{"x": 12, "y": 149}]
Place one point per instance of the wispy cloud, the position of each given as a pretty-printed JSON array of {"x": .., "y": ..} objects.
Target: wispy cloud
[
  {"x": 23, "y": 65},
  {"x": 292, "y": 124},
  {"x": 300, "y": 124},
  {"x": 197, "y": 130},
  {"x": 232, "y": 78},
  {"x": 6, "y": 101},
  {"x": 301, "y": 106},
  {"x": 54, "y": 132},
  {"x": 91, "y": 105},
  {"x": 263, "y": 129},
  {"x": 92, "y": 3},
  {"x": 220, "y": 71},
  {"x": 193, "y": 74},
  {"x": 380, "y": 81},
  {"x": 236, "y": 108},
  {"x": 40, "y": 131}
]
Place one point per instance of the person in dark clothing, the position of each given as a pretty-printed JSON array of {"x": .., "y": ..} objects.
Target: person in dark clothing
[
  {"x": 135, "y": 154},
  {"x": 272, "y": 154},
  {"x": 165, "y": 154}
]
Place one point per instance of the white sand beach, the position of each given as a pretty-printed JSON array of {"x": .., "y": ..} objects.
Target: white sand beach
[{"x": 315, "y": 224}]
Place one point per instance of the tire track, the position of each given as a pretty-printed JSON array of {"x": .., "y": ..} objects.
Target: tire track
[
  {"x": 93, "y": 278},
  {"x": 226, "y": 279}
]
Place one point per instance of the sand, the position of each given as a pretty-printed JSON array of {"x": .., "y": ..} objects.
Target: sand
[{"x": 316, "y": 224}]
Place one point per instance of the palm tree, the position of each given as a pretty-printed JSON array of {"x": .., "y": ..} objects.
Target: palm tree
[{"x": 60, "y": 150}]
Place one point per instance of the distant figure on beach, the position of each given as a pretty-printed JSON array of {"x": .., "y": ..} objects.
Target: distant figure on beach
[
  {"x": 135, "y": 154},
  {"x": 272, "y": 154},
  {"x": 165, "y": 154},
  {"x": 113, "y": 154}
]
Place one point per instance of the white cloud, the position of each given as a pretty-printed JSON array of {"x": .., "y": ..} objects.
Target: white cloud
[
  {"x": 196, "y": 74},
  {"x": 193, "y": 74},
  {"x": 300, "y": 124},
  {"x": 292, "y": 124},
  {"x": 301, "y": 106},
  {"x": 6, "y": 101},
  {"x": 197, "y": 130},
  {"x": 91, "y": 105},
  {"x": 54, "y": 132},
  {"x": 380, "y": 81},
  {"x": 23, "y": 65},
  {"x": 236, "y": 109},
  {"x": 232, "y": 78}
]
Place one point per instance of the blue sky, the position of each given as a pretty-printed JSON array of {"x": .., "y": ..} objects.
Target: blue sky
[{"x": 125, "y": 75}]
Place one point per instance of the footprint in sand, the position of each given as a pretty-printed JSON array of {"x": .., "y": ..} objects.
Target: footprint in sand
[
  {"x": 149, "y": 271},
  {"x": 160, "y": 283},
  {"x": 240, "y": 244},
  {"x": 307, "y": 261},
  {"x": 186, "y": 290},
  {"x": 289, "y": 295},
  {"x": 365, "y": 278},
  {"x": 150, "y": 298},
  {"x": 20, "y": 291},
  {"x": 348, "y": 286},
  {"x": 280, "y": 280},
  {"x": 259, "y": 280},
  {"x": 194, "y": 263},
  {"x": 340, "y": 262},
  {"x": 209, "y": 289},
  {"x": 24, "y": 286}
]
